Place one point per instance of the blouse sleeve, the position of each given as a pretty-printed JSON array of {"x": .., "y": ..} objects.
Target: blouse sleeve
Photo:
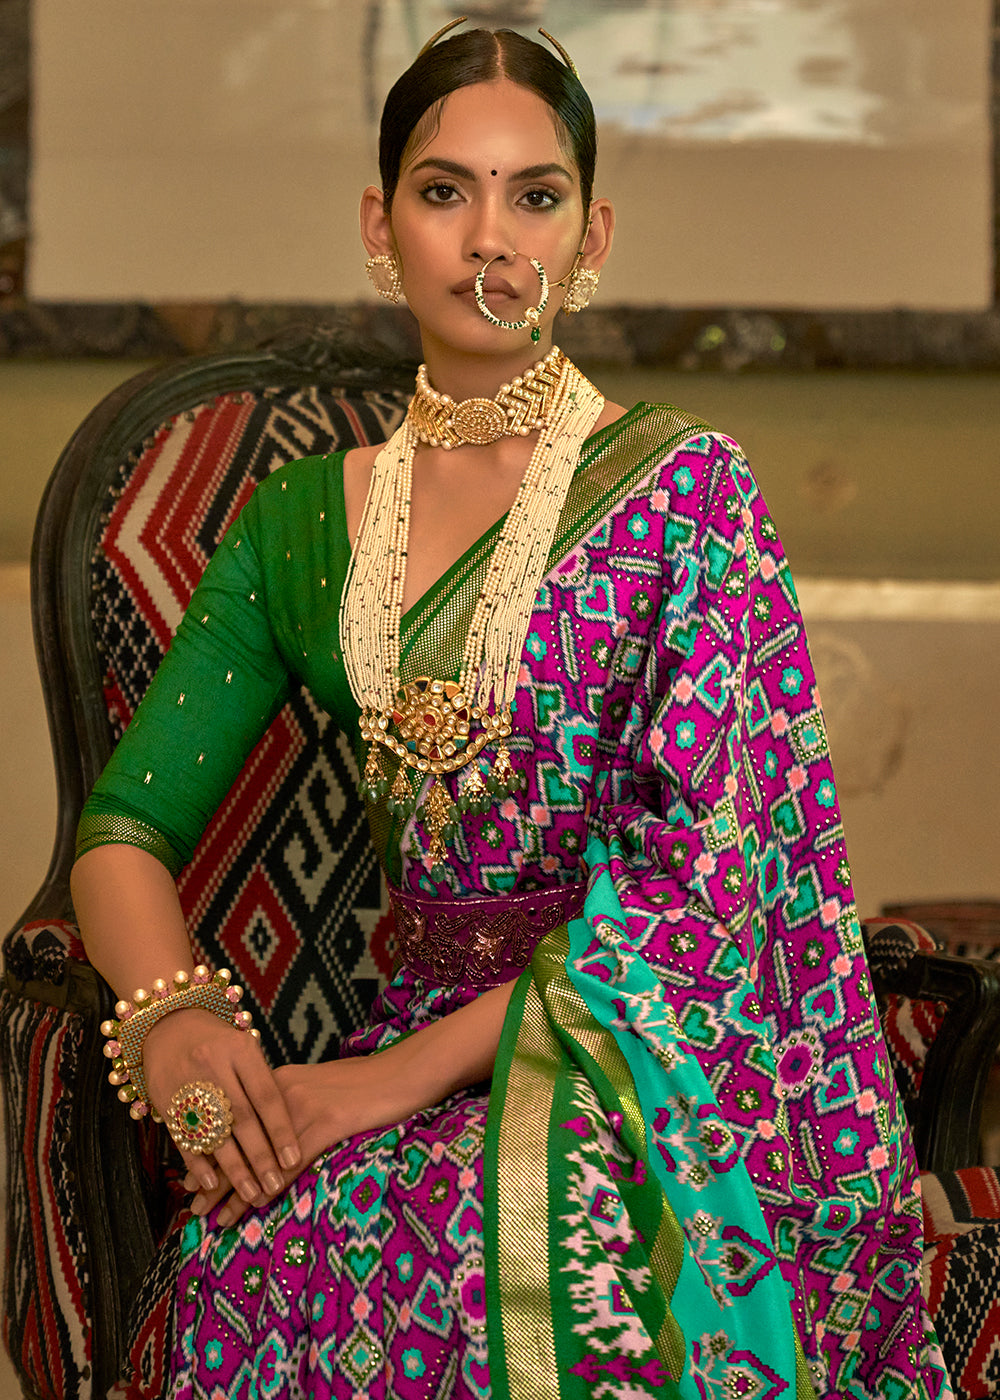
[{"x": 216, "y": 691}]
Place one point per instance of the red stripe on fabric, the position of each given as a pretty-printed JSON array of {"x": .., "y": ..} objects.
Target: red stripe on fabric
[
  {"x": 45, "y": 1045},
  {"x": 357, "y": 427},
  {"x": 981, "y": 1191},
  {"x": 227, "y": 834},
  {"x": 188, "y": 493},
  {"x": 118, "y": 556}
]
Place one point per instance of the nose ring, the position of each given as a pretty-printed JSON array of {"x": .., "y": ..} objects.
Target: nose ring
[{"x": 532, "y": 315}]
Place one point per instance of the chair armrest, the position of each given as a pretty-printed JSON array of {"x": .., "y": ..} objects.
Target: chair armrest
[
  {"x": 76, "y": 1160},
  {"x": 946, "y": 1117}
]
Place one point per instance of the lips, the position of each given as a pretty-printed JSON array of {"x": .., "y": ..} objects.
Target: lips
[{"x": 490, "y": 284}]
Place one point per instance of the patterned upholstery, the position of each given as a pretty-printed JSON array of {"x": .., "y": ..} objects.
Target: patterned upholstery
[
  {"x": 283, "y": 887},
  {"x": 909, "y": 1026},
  {"x": 961, "y": 1270},
  {"x": 962, "y": 1275}
]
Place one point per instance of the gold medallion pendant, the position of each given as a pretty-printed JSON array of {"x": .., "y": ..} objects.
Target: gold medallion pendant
[{"x": 433, "y": 729}]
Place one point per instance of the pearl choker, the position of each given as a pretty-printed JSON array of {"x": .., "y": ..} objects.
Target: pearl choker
[{"x": 519, "y": 408}]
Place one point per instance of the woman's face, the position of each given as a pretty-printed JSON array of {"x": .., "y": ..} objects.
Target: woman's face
[{"x": 492, "y": 180}]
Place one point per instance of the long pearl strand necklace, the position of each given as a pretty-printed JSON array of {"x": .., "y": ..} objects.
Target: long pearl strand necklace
[{"x": 435, "y": 726}]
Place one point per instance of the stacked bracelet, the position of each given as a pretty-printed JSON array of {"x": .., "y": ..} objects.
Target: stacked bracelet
[{"x": 136, "y": 1018}]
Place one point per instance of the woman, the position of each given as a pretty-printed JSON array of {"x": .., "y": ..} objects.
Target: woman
[{"x": 667, "y": 1158}]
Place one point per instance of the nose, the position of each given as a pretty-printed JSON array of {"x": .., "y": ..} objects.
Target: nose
[{"x": 489, "y": 237}]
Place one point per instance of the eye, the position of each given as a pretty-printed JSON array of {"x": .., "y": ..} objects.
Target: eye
[
  {"x": 540, "y": 199},
  {"x": 439, "y": 193}
]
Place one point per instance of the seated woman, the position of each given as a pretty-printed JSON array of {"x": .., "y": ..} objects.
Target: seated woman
[{"x": 623, "y": 1122}]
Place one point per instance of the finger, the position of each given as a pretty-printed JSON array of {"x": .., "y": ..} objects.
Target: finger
[
  {"x": 281, "y": 1150},
  {"x": 200, "y": 1171},
  {"x": 233, "y": 1211},
  {"x": 204, "y": 1201}
]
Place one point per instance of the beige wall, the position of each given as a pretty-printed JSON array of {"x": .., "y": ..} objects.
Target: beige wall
[{"x": 205, "y": 149}]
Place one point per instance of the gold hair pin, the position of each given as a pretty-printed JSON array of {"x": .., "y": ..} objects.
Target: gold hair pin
[{"x": 464, "y": 19}]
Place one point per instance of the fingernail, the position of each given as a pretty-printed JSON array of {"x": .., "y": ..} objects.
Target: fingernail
[
  {"x": 224, "y": 1218},
  {"x": 272, "y": 1183},
  {"x": 289, "y": 1157},
  {"x": 209, "y": 1181},
  {"x": 249, "y": 1190},
  {"x": 198, "y": 1205}
]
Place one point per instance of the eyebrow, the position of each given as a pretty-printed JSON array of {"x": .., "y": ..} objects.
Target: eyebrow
[{"x": 530, "y": 172}]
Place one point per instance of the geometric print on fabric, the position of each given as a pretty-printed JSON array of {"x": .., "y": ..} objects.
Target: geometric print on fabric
[
  {"x": 365, "y": 1278},
  {"x": 961, "y": 1276},
  {"x": 47, "y": 1293},
  {"x": 152, "y": 1322},
  {"x": 283, "y": 887}
]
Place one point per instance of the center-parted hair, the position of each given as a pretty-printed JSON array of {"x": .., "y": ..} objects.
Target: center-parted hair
[{"x": 483, "y": 56}]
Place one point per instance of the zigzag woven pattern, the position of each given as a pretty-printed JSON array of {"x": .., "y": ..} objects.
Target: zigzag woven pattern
[
  {"x": 47, "y": 1286},
  {"x": 962, "y": 1276},
  {"x": 283, "y": 887}
]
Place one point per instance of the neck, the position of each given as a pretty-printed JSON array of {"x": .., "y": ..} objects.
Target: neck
[{"x": 466, "y": 375}]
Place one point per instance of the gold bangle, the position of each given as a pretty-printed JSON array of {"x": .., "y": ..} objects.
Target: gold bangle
[{"x": 136, "y": 1018}]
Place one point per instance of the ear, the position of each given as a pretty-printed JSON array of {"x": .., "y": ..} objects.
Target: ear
[
  {"x": 376, "y": 227},
  {"x": 599, "y": 236}
]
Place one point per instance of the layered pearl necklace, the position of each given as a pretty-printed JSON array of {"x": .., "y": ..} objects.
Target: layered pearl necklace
[{"x": 434, "y": 726}]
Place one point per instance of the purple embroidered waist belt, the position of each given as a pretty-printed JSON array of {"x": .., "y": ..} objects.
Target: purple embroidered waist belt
[{"x": 478, "y": 941}]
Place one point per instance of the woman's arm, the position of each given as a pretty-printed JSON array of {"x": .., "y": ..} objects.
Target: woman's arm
[
  {"x": 330, "y": 1102},
  {"x": 133, "y": 929}
]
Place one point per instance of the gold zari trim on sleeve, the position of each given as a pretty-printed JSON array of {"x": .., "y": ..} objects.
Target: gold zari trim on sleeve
[{"x": 115, "y": 829}]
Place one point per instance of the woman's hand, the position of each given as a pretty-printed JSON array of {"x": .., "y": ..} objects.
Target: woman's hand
[
  {"x": 326, "y": 1103},
  {"x": 329, "y": 1102},
  {"x": 193, "y": 1045}
]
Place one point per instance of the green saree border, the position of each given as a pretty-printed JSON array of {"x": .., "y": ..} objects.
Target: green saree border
[
  {"x": 646, "y": 433},
  {"x": 548, "y": 1028},
  {"x": 520, "y": 1334}
]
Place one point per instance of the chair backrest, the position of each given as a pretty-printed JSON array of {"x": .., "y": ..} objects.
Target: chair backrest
[{"x": 283, "y": 888}]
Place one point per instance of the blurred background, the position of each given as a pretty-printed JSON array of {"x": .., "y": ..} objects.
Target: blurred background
[{"x": 806, "y": 257}]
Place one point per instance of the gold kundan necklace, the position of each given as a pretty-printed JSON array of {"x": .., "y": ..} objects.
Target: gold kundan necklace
[{"x": 437, "y": 726}]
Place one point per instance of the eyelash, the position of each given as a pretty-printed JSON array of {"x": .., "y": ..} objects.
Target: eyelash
[{"x": 437, "y": 186}]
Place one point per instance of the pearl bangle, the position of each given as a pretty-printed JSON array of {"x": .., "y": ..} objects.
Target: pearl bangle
[{"x": 136, "y": 1018}]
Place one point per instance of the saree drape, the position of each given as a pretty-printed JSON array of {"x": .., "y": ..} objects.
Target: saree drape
[{"x": 690, "y": 1175}]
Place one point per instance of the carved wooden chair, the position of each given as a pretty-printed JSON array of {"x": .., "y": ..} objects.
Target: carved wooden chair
[{"x": 283, "y": 887}]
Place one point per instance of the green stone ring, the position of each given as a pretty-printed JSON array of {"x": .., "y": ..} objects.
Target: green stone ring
[{"x": 200, "y": 1117}]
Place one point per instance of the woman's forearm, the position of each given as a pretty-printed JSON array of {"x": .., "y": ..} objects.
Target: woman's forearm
[
  {"x": 450, "y": 1054},
  {"x": 130, "y": 917}
]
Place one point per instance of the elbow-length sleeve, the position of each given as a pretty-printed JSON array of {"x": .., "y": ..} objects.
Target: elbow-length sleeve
[{"x": 217, "y": 689}]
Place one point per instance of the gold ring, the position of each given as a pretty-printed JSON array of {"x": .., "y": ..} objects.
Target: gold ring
[{"x": 200, "y": 1117}]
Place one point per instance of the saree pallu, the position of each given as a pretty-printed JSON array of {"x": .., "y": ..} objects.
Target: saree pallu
[{"x": 691, "y": 1175}]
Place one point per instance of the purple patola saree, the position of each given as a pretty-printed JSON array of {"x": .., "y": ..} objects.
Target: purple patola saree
[{"x": 690, "y": 1175}]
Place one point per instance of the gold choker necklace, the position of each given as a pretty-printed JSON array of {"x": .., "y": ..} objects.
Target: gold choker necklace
[
  {"x": 519, "y": 408},
  {"x": 430, "y": 727}
]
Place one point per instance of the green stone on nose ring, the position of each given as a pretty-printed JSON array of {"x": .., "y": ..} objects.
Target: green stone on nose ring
[{"x": 533, "y": 314}]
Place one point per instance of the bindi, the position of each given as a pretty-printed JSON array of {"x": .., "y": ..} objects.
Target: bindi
[{"x": 493, "y": 172}]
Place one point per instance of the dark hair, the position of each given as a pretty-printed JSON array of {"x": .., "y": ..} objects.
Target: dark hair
[{"x": 482, "y": 56}]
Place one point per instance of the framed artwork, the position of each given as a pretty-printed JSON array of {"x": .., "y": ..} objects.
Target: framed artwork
[{"x": 788, "y": 173}]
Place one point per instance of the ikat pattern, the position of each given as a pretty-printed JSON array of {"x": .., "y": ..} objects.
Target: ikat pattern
[
  {"x": 669, "y": 725},
  {"x": 366, "y": 1277}
]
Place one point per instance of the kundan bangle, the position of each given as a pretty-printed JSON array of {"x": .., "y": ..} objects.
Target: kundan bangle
[{"x": 136, "y": 1018}]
